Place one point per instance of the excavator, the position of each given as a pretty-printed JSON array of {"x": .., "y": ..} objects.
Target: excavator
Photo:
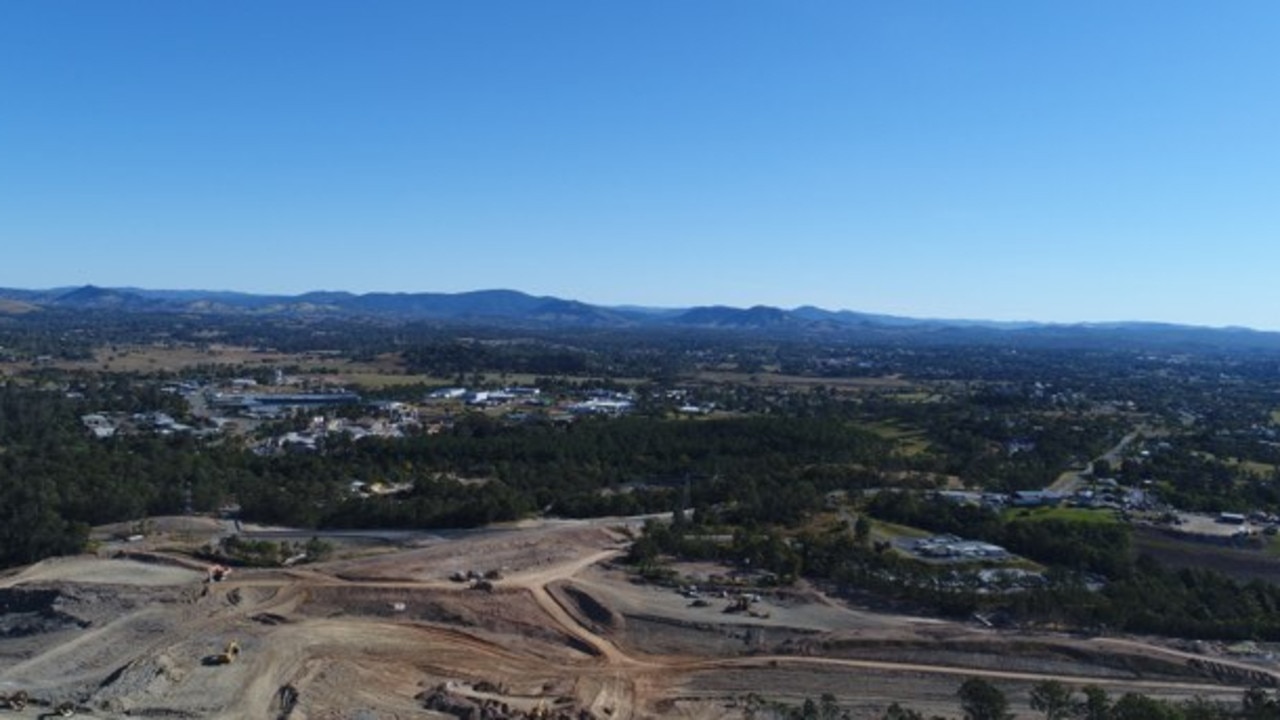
[
  {"x": 19, "y": 700},
  {"x": 16, "y": 701},
  {"x": 228, "y": 655}
]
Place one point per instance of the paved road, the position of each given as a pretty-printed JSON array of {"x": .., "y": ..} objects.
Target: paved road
[{"x": 1071, "y": 481}]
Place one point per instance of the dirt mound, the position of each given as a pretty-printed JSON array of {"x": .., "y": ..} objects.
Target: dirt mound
[
  {"x": 366, "y": 602},
  {"x": 147, "y": 676},
  {"x": 508, "y": 552},
  {"x": 25, "y": 612},
  {"x": 1007, "y": 654},
  {"x": 1232, "y": 673},
  {"x": 588, "y": 607},
  {"x": 83, "y": 569},
  {"x": 658, "y": 635},
  {"x": 502, "y": 612},
  {"x": 450, "y": 701},
  {"x": 269, "y": 619}
]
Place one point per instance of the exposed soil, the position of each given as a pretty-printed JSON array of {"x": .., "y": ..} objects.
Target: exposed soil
[{"x": 555, "y": 631}]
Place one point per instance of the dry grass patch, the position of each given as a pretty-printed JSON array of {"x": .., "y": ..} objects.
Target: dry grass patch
[
  {"x": 908, "y": 441},
  {"x": 800, "y": 381},
  {"x": 386, "y": 369}
]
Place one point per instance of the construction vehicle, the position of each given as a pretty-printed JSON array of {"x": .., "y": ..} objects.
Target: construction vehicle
[
  {"x": 17, "y": 701},
  {"x": 228, "y": 655}
]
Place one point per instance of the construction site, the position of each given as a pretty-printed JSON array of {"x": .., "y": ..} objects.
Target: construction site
[{"x": 535, "y": 621}]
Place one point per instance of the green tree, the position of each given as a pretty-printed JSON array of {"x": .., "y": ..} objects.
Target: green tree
[
  {"x": 1133, "y": 706},
  {"x": 1052, "y": 698},
  {"x": 897, "y": 712},
  {"x": 1199, "y": 708},
  {"x": 318, "y": 550},
  {"x": 980, "y": 700},
  {"x": 1095, "y": 706},
  {"x": 862, "y": 529},
  {"x": 1258, "y": 705}
]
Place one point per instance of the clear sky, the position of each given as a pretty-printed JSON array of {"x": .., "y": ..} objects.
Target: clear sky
[{"x": 1060, "y": 161}]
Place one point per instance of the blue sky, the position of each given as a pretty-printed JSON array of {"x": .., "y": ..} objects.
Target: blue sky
[{"x": 1056, "y": 161}]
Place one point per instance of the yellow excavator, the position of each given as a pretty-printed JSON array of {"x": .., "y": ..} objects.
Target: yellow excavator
[{"x": 228, "y": 655}]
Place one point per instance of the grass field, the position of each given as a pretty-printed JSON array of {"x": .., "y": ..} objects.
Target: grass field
[
  {"x": 909, "y": 441},
  {"x": 918, "y": 397},
  {"x": 889, "y": 531},
  {"x": 177, "y": 358},
  {"x": 383, "y": 371},
  {"x": 1254, "y": 468},
  {"x": 1240, "y": 563},
  {"x": 1249, "y": 466},
  {"x": 1080, "y": 515},
  {"x": 378, "y": 381},
  {"x": 15, "y": 307},
  {"x": 799, "y": 381}
]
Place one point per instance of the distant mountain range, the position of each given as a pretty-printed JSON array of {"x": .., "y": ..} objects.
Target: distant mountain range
[{"x": 513, "y": 308}]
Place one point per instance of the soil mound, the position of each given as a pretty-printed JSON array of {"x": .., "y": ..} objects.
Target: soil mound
[
  {"x": 25, "y": 612},
  {"x": 1024, "y": 655},
  {"x": 145, "y": 677},
  {"x": 590, "y": 608}
]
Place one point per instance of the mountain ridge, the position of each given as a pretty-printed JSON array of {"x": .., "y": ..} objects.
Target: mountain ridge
[{"x": 513, "y": 307}]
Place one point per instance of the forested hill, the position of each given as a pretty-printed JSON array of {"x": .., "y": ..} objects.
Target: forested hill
[{"x": 510, "y": 308}]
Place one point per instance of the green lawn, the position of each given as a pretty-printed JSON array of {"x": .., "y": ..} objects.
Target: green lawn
[
  {"x": 1249, "y": 466},
  {"x": 888, "y": 530},
  {"x": 1255, "y": 468},
  {"x": 909, "y": 441},
  {"x": 1082, "y": 515}
]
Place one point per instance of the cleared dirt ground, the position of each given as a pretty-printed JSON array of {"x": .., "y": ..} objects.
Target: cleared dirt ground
[{"x": 559, "y": 630}]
